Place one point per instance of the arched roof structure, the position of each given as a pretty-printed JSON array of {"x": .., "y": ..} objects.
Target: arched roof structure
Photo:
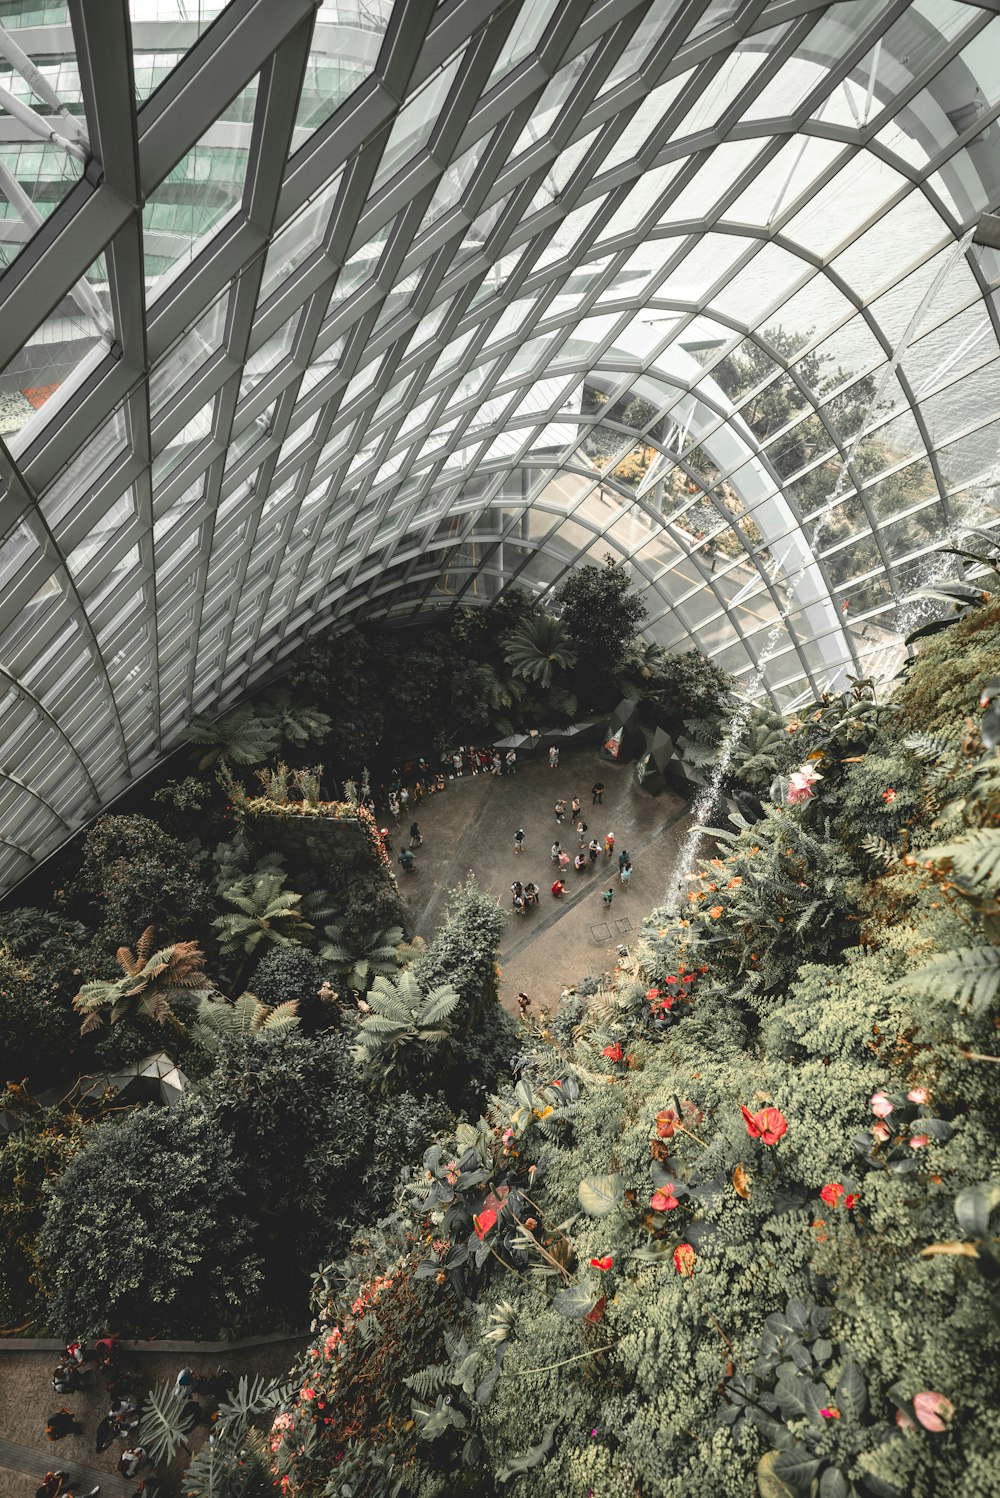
[{"x": 313, "y": 311}]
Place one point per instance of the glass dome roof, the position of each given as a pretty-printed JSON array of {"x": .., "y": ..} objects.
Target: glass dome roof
[{"x": 319, "y": 311}]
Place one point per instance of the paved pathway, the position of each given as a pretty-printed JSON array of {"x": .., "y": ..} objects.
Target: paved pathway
[{"x": 470, "y": 827}]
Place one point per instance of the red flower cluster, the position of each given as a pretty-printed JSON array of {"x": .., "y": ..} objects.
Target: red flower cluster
[
  {"x": 684, "y": 1257},
  {"x": 676, "y": 986},
  {"x": 613, "y": 1052},
  {"x": 834, "y": 1191},
  {"x": 768, "y": 1125}
]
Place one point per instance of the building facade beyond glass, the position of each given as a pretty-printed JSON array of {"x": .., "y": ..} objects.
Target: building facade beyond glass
[{"x": 313, "y": 312}]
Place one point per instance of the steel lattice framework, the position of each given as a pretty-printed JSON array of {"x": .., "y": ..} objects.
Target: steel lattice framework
[{"x": 312, "y": 311}]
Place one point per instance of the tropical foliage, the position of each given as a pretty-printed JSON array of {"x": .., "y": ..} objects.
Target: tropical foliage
[{"x": 151, "y": 983}]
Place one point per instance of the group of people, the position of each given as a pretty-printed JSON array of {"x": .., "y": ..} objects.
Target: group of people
[
  {"x": 119, "y": 1423},
  {"x": 524, "y": 896},
  {"x": 201, "y": 1394}
]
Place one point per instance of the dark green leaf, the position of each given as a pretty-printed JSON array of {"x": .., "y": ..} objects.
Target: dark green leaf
[
  {"x": 796, "y": 1468},
  {"x": 832, "y": 1484},
  {"x": 852, "y": 1393},
  {"x": 974, "y": 1205}
]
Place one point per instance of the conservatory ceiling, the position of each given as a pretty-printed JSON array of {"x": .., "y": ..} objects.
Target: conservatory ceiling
[{"x": 315, "y": 312}]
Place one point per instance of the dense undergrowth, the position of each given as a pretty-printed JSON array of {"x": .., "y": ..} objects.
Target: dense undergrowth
[{"x": 734, "y": 1228}]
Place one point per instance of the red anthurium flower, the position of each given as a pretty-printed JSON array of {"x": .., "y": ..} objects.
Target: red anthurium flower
[
  {"x": 484, "y": 1222},
  {"x": 851, "y": 1199},
  {"x": 684, "y": 1257},
  {"x": 664, "y": 1200},
  {"x": 831, "y": 1194},
  {"x": 768, "y": 1125},
  {"x": 880, "y": 1105},
  {"x": 594, "y": 1315},
  {"x": 934, "y": 1411},
  {"x": 613, "y": 1052},
  {"x": 665, "y": 1121},
  {"x": 603, "y": 1263}
]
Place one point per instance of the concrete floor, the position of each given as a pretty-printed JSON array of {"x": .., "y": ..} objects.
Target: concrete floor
[{"x": 470, "y": 828}]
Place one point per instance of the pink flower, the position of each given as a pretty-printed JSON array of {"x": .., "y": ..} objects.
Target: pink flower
[
  {"x": 664, "y": 1200},
  {"x": 888, "y": 795},
  {"x": 919, "y": 1141},
  {"x": 882, "y": 1132},
  {"x": 918, "y": 1095},
  {"x": 934, "y": 1411},
  {"x": 830, "y": 1414},
  {"x": 881, "y": 1106},
  {"x": 801, "y": 782},
  {"x": 308, "y": 1393}
]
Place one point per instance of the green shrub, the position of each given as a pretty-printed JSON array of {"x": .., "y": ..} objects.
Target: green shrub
[
  {"x": 147, "y": 1231},
  {"x": 136, "y": 875},
  {"x": 38, "y": 1031}
]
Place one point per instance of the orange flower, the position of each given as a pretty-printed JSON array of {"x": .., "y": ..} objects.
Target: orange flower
[
  {"x": 715, "y": 912},
  {"x": 735, "y": 883},
  {"x": 684, "y": 1257}
]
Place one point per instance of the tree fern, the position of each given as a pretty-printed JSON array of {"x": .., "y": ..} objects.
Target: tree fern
[
  {"x": 927, "y": 746},
  {"x": 969, "y": 976},
  {"x": 218, "y": 1018},
  {"x": 403, "y": 1027}
]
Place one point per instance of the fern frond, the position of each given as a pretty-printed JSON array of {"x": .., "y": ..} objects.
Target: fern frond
[
  {"x": 969, "y": 976},
  {"x": 974, "y": 859}
]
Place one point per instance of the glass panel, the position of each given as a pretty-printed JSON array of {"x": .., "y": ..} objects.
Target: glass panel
[
  {"x": 204, "y": 189},
  {"x": 80, "y": 326},
  {"x": 346, "y": 40}
]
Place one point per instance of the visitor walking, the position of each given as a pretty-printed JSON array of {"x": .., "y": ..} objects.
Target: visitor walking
[
  {"x": 519, "y": 905},
  {"x": 404, "y": 799},
  {"x": 522, "y": 1002},
  {"x": 625, "y": 875},
  {"x": 456, "y": 761},
  {"x": 418, "y": 792},
  {"x": 131, "y": 1460},
  {"x": 622, "y": 860},
  {"x": 581, "y": 832},
  {"x": 594, "y": 849},
  {"x": 563, "y": 861},
  {"x": 62, "y": 1423},
  {"x": 574, "y": 807},
  {"x": 553, "y": 758},
  {"x": 65, "y": 1379},
  {"x": 531, "y": 893},
  {"x": 597, "y": 793},
  {"x": 607, "y": 897},
  {"x": 406, "y": 861},
  {"x": 511, "y": 762},
  {"x": 609, "y": 844},
  {"x": 416, "y": 836},
  {"x": 556, "y": 850},
  {"x": 519, "y": 840},
  {"x": 580, "y": 862},
  {"x": 560, "y": 810},
  {"x": 517, "y": 890},
  {"x": 51, "y": 1485},
  {"x": 558, "y": 888},
  {"x": 394, "y": 808},
  {"x": 497, "y": 765}
]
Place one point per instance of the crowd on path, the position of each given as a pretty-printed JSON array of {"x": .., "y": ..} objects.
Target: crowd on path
[{"x": 202, "y": 1396}]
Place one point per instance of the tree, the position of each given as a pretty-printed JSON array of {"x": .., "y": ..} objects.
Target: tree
[
  {"x": 36, "y": 1023},
  {"x": 148, "y": 1231},
  {"x": 137, "y": 875},
  {"x": 149, "y": 981},
  {"x": 401, "y": 1037},
  {"x": 240, "y": 737},
  {"x": 538, "y": 649},
  {"x": 602, "y": 613},
  {"x": 218, "y": 1019},
  {"x": 265, "y": 912}
]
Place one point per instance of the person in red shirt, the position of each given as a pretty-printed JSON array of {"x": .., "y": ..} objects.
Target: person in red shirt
[{"x": 558, "y": 888}]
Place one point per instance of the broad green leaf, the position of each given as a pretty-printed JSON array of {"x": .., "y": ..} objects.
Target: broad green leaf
[
  {"x": 599, "y": 1195},
  {"x": 575, "y": 1302},
  {"x": 796, "y": 1468},
  {"x": 833, "y": 1484},
  {"x": 852, "y": 1394},
  {"x": 769, "y": 1484},
  {"x": 974, "y": 1205}
]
